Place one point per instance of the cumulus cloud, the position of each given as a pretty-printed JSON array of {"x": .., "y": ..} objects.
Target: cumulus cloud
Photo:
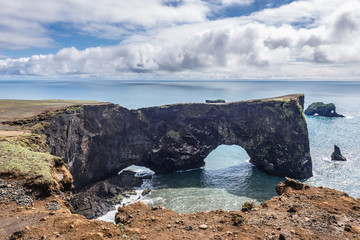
[
  {"x": 306, "y": 39},
  {"x": 23, "y": 23}
]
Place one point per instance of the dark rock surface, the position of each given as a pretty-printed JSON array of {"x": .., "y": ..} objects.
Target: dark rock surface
[
  {"x": 215, "y": 101},
  {"x": 325, "y": 110},
  {"x": 100, "y": 198},
  {"x": 100, "y": 140},
  {"x": 15, "y": 192},
  {"x": 336, "y": 155}
]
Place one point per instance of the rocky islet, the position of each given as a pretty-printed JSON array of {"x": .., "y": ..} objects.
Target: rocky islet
[
  {"x": 336, "y": 155},
  {"x": 322, "y": 109}
]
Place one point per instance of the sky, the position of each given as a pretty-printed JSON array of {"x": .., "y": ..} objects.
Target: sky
[{"x": 180, "y": 39}]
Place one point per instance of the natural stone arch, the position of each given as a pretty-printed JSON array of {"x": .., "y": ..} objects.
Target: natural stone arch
[
  {"x": 226, "y": 157},
  {"x": 103, "y": 139}
]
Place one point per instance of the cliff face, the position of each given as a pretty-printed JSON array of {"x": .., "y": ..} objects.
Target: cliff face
[{"x": 99, "y": 140}]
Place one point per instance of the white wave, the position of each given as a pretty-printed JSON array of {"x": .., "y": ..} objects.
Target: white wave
[
  {"x": 110, "y": 216},
  {"x": 158, "y": 201},
  {"x": 189, "y": 170}
]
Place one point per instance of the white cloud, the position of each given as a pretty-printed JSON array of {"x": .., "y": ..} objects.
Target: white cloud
[
  {"x": 26, "y": 21},
  {"x": 236, "y": 2},
  {"x": 303, "y": 40}
]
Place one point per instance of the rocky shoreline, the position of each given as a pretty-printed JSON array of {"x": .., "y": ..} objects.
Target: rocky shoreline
[
  {"x": 299, "y": 212},
  {"x": 101, "y": 197}
]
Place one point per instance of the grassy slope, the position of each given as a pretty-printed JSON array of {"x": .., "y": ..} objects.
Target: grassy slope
[{"x": 20, "y": 161}]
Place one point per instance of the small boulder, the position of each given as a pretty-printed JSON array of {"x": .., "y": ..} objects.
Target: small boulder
[
  {"x": 295, "y": 184},
  {"x": 203, "y": 226},
  {"x": 292, "y": 183},
  {"x": 336, "y": 155},
  {"x": 145, "y": 192},
  {"x": 322, "y": 109}
]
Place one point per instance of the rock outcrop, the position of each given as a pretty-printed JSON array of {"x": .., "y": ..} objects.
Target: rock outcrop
[
  {"x": 336, "y": 155},
  {"x": 99, "y": 198},
  {"x": 325, "y": 110},
  {"x": 98, "y": 141}
]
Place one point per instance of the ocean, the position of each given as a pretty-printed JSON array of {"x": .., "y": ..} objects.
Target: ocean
[{"x": 228, "y": 179}]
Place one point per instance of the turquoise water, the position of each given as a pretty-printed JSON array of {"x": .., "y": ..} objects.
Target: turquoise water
[{"x": 228, "y": 179}]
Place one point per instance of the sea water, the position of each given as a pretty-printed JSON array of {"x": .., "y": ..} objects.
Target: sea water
[{"x": 228, "y": 179}]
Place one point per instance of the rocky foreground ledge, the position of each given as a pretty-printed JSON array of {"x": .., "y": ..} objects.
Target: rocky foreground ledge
[{"x": 299, "y": 212}]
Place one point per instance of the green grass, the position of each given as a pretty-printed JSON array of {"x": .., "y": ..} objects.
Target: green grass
[{"x": 19, "y": 160}]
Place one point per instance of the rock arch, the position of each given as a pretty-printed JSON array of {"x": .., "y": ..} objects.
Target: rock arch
[{"x": 100, "y": 140}]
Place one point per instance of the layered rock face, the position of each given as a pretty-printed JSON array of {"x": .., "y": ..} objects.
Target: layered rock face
[{"x": 100, "y": 140}]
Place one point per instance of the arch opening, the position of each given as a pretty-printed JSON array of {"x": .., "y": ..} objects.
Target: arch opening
[
  {"x": 225, "y": 156},
  {"x": 226, "y": 181}
]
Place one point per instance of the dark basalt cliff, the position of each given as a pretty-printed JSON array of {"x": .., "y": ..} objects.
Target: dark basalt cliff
[{"x": 97, "y": 141}]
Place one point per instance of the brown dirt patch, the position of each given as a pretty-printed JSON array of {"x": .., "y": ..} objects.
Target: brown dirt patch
[{"x": 11, "y": 133}]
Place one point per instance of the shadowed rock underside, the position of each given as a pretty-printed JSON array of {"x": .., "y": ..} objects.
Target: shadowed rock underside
[{"x": 100, "y": 140}]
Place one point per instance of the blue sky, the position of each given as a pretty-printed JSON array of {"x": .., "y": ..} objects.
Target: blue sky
[{"x": 180, "y": 39}]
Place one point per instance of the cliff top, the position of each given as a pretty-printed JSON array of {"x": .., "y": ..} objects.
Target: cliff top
[
  {"x": 12, "y": 110},
  {"x": 296, "y": 97}
]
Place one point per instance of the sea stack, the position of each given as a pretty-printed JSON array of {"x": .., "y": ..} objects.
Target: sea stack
[
  {"x": 336, "y": 155},
  {"x": 322, "y": 109}
]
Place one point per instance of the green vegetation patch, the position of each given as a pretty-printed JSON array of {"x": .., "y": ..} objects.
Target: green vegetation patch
[
  {"x": 142, "y": 116},
  {"x": 316, "y": 105},
  {"x": 164, "y": 106},
  {"x": 173, "y": 134},
  {"x": 247, "y": 206},
  {"x": 18, "y": 160}
]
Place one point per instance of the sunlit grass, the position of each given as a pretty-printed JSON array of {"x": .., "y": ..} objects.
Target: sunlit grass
[{"x": 19, "y": 160}]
